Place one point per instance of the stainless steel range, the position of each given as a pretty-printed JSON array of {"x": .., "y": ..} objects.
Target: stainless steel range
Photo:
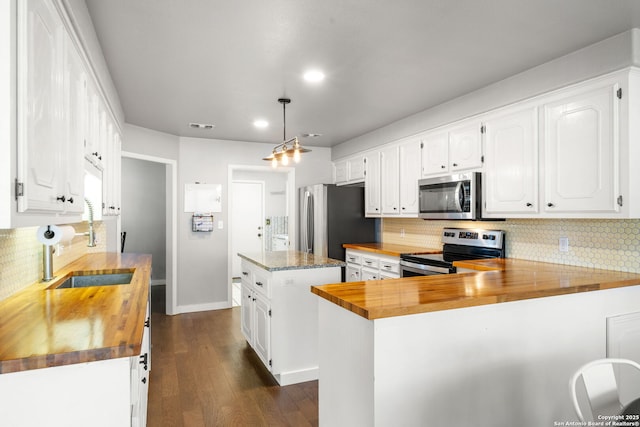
[{"x": 458, "y": 244}]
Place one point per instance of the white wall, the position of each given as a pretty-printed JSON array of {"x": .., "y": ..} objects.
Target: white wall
[
  {"x": 143, "y": 214},
  {"x": 606, "y": 56},
  {"x": 203, "y": 257}
]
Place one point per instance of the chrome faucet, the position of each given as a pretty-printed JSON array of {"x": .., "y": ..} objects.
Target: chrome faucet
[{"x": 91, "y": 232}]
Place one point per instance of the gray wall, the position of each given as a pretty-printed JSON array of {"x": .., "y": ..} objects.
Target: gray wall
[
  {"x": 606, "y": 56},
  {"x": 203, "y": 257},
  {"x": 143, "y": 211}
]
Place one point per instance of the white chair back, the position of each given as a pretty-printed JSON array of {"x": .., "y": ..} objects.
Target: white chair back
[{"x": 600, "y": 385}]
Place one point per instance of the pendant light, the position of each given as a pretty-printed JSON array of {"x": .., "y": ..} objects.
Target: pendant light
[{"x": 288, "y": 148}]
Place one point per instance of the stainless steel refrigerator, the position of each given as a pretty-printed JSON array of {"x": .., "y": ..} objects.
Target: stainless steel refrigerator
[{"x": 331, "y": 216}]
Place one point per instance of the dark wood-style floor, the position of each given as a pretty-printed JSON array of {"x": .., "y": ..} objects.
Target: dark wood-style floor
[{"x": 205, "y": 374}]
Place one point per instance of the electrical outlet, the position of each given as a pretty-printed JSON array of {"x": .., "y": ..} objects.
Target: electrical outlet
[
  {"x": 564, "y": 244},
  {"x": 220, "y": 225},
  {"x": 402, "y": 232}
]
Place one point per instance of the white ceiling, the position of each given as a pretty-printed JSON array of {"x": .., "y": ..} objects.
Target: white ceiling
[{"x": 227, "y": 62}]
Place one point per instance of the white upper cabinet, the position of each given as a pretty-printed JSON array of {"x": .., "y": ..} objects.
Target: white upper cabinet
[
  {"x": 372, "y": 182},
  {"x": 390, "y": 181},
  {"x": 340, "y": 176},
  {"x": 452, "y": 149},
  {"x": 61, "y": 119},
  {"x": 510, "y": 182},
  {"x": 465, "y": 146},
  {"x": 75, "y": 108},
  {"x": 435, "y": 153},
  {"x": 41, "y": 139},
  {"x": 581, "y": 151},
  {"x": 349, "y": 171},
  {"x": 410, "y": 167}
]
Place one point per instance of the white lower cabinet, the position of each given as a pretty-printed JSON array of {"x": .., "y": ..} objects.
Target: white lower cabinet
[
  {"x": 365, "y": 265},
  {"x": 106, "y": 393},
  {"x": 279, "y": 318}
]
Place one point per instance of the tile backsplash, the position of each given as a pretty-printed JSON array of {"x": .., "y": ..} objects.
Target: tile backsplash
[
  {"x": 599, "y": 243},
  {"x": 21, "y": 255}
]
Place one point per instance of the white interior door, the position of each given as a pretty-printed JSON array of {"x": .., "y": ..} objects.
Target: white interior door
[{"x": 247, "y": 204}]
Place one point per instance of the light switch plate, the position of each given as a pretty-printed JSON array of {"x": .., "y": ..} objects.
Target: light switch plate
[{"x": 220, "y": 225}]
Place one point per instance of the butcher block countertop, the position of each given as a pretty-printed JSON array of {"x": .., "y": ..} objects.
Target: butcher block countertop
[
  {"x": 41, "y": 327},
  {"x": 497, "y": 281},
  {"x": 390, "y": 249},
  {"x": 290, "y": 260}
]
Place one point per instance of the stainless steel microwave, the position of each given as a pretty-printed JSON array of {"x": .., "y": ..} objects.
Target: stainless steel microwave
[{"x": 451, "y": 197}]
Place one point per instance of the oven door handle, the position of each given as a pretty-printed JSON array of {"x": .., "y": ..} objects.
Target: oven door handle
[{"x": 424, "y": 267}]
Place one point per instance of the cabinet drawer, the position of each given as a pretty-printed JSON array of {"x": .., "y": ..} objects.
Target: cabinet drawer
[
  {"x": 370, "y": 262},
  {"x": 353, "y": 258},
  {"x": 261, "y": 283},
  {"x": 246, "y": 275},
  {"x": 389, "y": 266}
]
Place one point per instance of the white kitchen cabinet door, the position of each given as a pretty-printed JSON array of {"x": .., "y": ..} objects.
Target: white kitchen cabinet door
[
  {"x": 353, "y": 273},
  {"x": 511, "y": 173},
  {"x": 465, "y": 147},
  {"x": 262, "y": 329},
  {"x": 356, "y": 169},
  {"x": 410, "y": 169},
  {"x": 390, "y": 181},
  {"x": 94, "y": 147},
  {"x": 75, "y": 118},
  {"x": 340, "y": 172},
  {"x": 435, "y": 153},
  {"x": 41, "y": 139},
  {"x": 581, "y": 165},
  {"x": 246, "y": 312},
  {"x": 372, "y": 201},
  {"x": 370, "y": 274}
]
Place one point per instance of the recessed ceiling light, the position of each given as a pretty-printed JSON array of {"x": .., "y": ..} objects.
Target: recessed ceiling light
[
  {"x": 201, "y": 126},
  {"x": 261, "y": 124},
  {"x": 314, "y": 76}
]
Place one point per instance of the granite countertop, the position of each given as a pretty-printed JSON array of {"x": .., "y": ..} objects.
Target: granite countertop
[
  {"x": 391, "y": 249},
  {"x": 497, "y": 281},
  {"x": 290, "y": 260},
  {"x": 42, "y": 327}
]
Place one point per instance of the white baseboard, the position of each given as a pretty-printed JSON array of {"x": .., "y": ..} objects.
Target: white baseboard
[
  {"x": 193, "y": 308},
  {"x": 295, "y": 377}
]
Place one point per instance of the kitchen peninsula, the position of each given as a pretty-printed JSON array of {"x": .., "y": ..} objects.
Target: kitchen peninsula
[
  {"x": 279, "y": 315},
  {"x": 489, "y": 349},
  {"x": 78, "y": 356}
]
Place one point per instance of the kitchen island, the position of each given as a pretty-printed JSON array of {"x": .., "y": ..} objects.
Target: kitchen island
[
  {"x": 492, "y": 348},
  {"x": 279, "y": 316}
]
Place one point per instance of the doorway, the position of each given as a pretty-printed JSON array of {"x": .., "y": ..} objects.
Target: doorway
[
  {"x": 247, "y": 211},
  {"x": 150, "y": 168},
  {"x": 261, "y": 216}
]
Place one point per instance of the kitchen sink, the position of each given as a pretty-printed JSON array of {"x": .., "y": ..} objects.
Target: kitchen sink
[{"x": 98, "y": 279}]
